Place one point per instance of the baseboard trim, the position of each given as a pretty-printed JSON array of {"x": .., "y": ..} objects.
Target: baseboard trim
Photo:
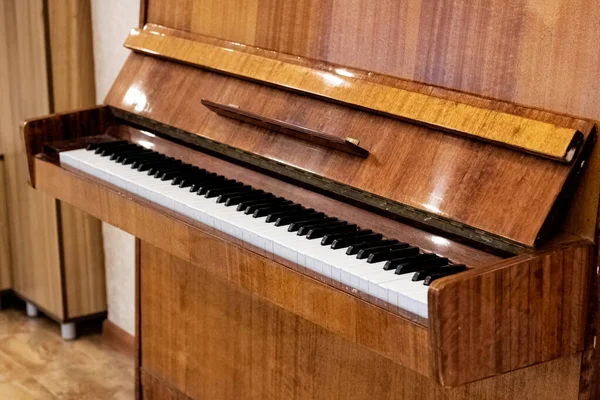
[{"x": 117, "y": 338}]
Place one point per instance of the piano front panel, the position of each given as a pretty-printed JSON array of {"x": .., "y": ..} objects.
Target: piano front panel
[
  {"x": 447, "y": 177},
  {"x": 204, "y": 337},
  {"x": 340, "y": 312},
  {"x": 350, "y": 314}
]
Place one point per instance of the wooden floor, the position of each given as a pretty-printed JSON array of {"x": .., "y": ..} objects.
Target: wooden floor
[{"x": 35, "y": 363}]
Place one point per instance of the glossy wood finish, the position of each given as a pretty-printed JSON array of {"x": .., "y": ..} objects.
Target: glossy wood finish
[
  {"x": 5, "y": 264},
  {"x": 547, "y": 140},
  {"x": 71, "y": 55},
  {"x": 542, "y": 54},
  {"x": 516, "y": 313},
  {"x": 23, "y": 94},
  {"x": 340, "y": 312},
  {"x": 215, "y": 340},
  {"x": 289, "y": 288},
  {"x": 62, "y": 127},
  {"x": 455, "y": 184}
]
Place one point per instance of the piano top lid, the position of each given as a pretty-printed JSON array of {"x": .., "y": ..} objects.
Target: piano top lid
[{"x": 489, "y": 171}]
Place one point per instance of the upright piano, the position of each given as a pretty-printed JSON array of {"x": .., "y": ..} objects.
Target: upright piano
[{"x": 357, "y": 201}]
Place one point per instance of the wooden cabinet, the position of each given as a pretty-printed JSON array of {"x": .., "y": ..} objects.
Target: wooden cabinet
[{"x": 56, "y": 253}]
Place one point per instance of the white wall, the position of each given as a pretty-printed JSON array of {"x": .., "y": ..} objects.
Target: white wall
[{"x": 112, "y": 20}]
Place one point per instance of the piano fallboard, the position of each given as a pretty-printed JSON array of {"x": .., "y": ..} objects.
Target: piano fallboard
[{"x": 477, "y": 190}]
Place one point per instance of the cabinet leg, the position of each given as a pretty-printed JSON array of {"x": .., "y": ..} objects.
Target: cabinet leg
[
  {"x": 32, "y": 311},
  {"x": 68, "y": 331}
]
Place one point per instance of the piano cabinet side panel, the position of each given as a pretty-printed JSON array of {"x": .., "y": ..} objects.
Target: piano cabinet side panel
[
  {"x": 204, "y": 338},
  {"x": 520, "y": 312}
]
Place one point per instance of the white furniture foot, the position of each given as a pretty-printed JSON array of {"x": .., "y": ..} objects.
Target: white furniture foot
[
  {"x": 32, "y": 311},
  {"x": 68, "y": 331}
]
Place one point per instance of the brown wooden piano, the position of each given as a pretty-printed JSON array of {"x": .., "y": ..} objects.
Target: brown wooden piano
[{"x": 314, "y": 223}]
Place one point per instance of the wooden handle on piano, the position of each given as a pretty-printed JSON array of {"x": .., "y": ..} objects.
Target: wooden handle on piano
[{"x": 347, "y": 145}]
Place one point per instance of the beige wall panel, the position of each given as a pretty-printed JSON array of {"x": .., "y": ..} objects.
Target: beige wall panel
[{"x": 5, "y": 270}]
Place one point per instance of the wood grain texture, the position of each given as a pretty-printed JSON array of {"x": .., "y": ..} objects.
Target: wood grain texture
[
  {"x": 265, "y": 278},
  {"x": 516, "y": 313},
  {"x": 456, "y": 185},
  {"x": 5, "y": 262},
  {"x": 208, "y": 338},
  {"x": 543, "y": 54},
  {"x": 62, "y": 127},
  {"x": 334, "y": 309},
  {"x": 71, "y": 55},
  {"x": 24, "y": 94},
  {"x": 536, "y": 137}
]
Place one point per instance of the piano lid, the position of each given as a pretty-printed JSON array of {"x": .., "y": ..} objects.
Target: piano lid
[{"x": 485, "y": 170}]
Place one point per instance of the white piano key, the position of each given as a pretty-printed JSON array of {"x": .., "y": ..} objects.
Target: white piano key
[{"x": 371, "y": 279}]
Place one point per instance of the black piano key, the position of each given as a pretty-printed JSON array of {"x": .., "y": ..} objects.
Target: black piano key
[
  {"x": 367, "y": 251},
  {"x": 243, "y": 206},
  {"x": 272, "y": 217},
  {"x": 280, "y": 202},
  {"x": 395, "y": 262},
  {"x": 421, "y": 265},
  {"x": 211, "y": 185},
  {"x": 94, "y": 146},
  {"x": 329, "y": 238},
  {"x": 120, "y": 157},
  {"x": 235, "y": 200},
  {"x": 162, "y": 165},
  {"x": 353, "y": 240},
  {"x": 188, "y": 175},
  {"x": 189, "y": 181},
  {"x": 110, "y": 145},
  {"x": 260, "y": 212},
  {"x": 295, "y": 226},
  {"x": 108, "y": 152},
  {"x": 168, "y": 174},
  {"x": 290, "y": 219},
  {"x": 304, "y": 230},
  {"x": 222, "y": 198},
  {"x": 233, "y": 188},
  {"x": 355, "y": 248},
  {"x": 129, "y": 160},
  {"x": 201, "y": 182},
  {"x": 389, "y": 255},
  {"x": 145, "y": 162},
  {"x": 321, "y": 231},
  {"x": 442, "y": 272}
]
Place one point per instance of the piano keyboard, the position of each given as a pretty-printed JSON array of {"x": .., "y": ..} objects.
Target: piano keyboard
[{"x": 359, "y": 259}]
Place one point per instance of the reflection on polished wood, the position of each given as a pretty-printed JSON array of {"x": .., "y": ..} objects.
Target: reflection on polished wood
[
  {"x": 36, "y": 364},
  {"x": 455, "y": 185},
  {"x": 537, "y": 137},
  {"x": 220, "y": 331},
  {"x": 542, "y": 54},
  {"x": 432, "y": 345}
]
